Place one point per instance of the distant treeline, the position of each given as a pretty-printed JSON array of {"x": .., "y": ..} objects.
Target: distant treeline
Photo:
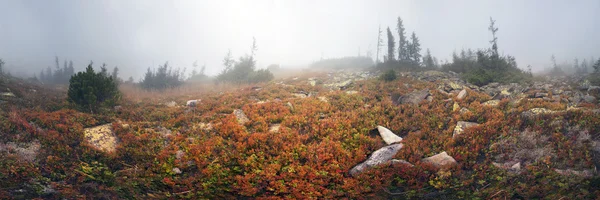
[
  {"x": 58, "y": 75},
  {"x": 344, "y": 63}
]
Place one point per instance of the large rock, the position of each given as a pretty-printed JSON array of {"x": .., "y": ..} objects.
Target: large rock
[
  {"x": 589, "y": 99},
  {"x": 413, "y": 97},
  {"x": 381, "y": 156},
  {"x": 240, "y": 116},
  {"x": 594, "y": 91},
  {"x": 461, "y": 126},
  {"x": 440, "y": 160},
  {"x": 388, "y": 136},
  {"x": 101, "y": 137}
]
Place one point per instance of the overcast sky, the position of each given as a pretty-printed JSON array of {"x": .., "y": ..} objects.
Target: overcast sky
[{"x": 136, "y": 34}]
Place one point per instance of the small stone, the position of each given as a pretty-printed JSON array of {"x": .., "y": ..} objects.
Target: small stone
[
  {"x": 192, "y": 103},
  {"x": 176, "y": 170},
  {"x": 323, "y": 99},
  {"x": 274, "y": 128},
  {"x": 171, "y": 104},
  {"x": 492, "y": 103},
  {"x": 7, "y": 94},
  {"x": 299, "y": 95},
  {"x": 440, "y": 160},
  {"x": 352, "y": 92},
  {"x": 540, "y": 95},
  {"x": 455, "y": 107},
  {"x": 516, "y": 167},
  {"x": 179, "y": 154},
  {"x": 289, "y": 105},
  {"x": 570, "y": 172},
  {"x": 460, "y": 126},
  {"x": 429, "y": 98},
  {"x": 536, "y": 111}
]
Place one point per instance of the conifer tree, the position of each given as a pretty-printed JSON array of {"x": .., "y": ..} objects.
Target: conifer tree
[{"x": 391, "y": 43}]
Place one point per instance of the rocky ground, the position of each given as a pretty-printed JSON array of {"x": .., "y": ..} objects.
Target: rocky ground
[{"x": 342, "y": 134}]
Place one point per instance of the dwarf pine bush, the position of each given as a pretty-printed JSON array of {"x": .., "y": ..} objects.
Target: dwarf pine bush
[{"x": 90, "y": 90}]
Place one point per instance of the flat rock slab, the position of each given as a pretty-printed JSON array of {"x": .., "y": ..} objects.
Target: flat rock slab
[
  {"x": 461, "y": 126},
  {"x": 492, "y": 103},
  {"x": 101, "y": 137},
  {"x": 413, "y": 97},
  {"x": 536, "y": 112},
  {"x": 588, "y": 173},
  {"x": 388, "y": 136},
  {"x": 381, "y": 156},
  {"x": 440, "y": 160},
  {"x": 24, "y": 151}
]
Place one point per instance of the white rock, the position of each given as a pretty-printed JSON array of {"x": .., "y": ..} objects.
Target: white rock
[
  {"x": 192, "y": 103},
  {"x": 462, "y": 94},
  {"x": 176, "y": 170},
  {"x": 388, "y": 136}
]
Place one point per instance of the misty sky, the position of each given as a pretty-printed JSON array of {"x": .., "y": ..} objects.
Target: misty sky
[{"x": 136, "y": 34}]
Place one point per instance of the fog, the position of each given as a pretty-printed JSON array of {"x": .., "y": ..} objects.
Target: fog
[{"x": 136, "y": 34}]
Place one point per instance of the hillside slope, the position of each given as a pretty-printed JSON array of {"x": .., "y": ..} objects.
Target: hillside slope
[{"x": 300, "y": 138}]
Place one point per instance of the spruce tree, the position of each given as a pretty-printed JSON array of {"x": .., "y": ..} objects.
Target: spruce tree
[
  {"x": 415, "y": 49},
  {"x": 428, "y": 60},
  {"x": 90, "y": 90},
  {"x": 402, "y": 41},
  {"x": 391, "y": 44}
]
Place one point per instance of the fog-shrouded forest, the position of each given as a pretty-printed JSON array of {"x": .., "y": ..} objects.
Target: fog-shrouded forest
[{"x": 299, "y": 99}]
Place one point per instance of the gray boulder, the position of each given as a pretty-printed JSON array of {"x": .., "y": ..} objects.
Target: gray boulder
[
  {"x": 381, "y": 156},
  {"x": 594, "y": 91},
  {"x": 589, "y": 99},
  {"x": 413, "y": 97}
]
